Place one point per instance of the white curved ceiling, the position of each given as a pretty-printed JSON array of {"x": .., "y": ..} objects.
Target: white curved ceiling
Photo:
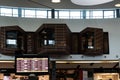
[
  {"x": 90, "y": 2},
  {"x": 64, "y": 4}
]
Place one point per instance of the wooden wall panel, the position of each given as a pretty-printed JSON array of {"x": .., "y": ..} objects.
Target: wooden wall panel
[
  {"x": 30, "y": 42},
  {"x": 62, "y": 39},
  {"x": 97, "y": 47},
  {"x": 4, "y": 49},
  {"x": 66, "y": 42},
  {"x": 75, "y": 43}
]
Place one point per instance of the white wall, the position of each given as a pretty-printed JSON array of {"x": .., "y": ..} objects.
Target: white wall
[{"x": 109, "y": 25}]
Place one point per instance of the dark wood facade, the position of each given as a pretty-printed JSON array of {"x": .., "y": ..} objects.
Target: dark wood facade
[
  {"x": 75, "y": 43},
  {"x": 30, "y": 42},
  {"x": 93, "y": 41},
  {"x": 11, "y": 39},
  {"x": 54, "y": 39}
]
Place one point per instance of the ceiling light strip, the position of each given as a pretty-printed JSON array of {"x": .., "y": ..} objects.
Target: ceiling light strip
[
  {"x": 6, "y": 61},
  {"x": 113, "y": 61}
]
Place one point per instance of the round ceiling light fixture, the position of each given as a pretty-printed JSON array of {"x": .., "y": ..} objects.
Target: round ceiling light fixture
[
  {"x": 55, "y": 1},
  {"x": 90, "y": 2},
  {"x": 117, "y": 5}
]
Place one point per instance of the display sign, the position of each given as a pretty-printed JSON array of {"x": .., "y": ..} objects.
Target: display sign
[{"x": 35, "y": 65}]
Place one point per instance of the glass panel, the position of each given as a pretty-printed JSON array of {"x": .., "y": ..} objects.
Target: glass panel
[
  {"x": 41, "y": 14},
  {"x": 59, "y": 13},
  {"x": 74, "y": 14},
  {"x": 51, "y": 42},
  {"x": 94, "y": 14},
  {"x": 23, "y": 13},
  {"x": 30, "y": 13},
  {"x": 64, "y": 14},
  {"x": 108, "y": 14},
  {"x": 11, "y": 39},
  {"x": 6, "y": 12},
  {"x": 15, "y": 12},
  {"x": 56, "y": 14},
  {"x": 49, "y": 14},
  {"x": 45, "y": 42},
  {"x": 87, "y": 14},
  {"x": 97, "y": 14}
]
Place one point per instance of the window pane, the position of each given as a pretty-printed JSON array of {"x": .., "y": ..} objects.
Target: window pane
[
  {"x": 97, "y": 14},
  {"x": 74, "y": 14},
  {"x": 30, "y": 13},
  {"x": 49, "y": 14},
  {"x": 108, "y": 14},
  {"x": 59, "y": 13},
  {"x": 94, "y": 14},
  {"x": 15, "y": 12},
  {"x": 81, "y": 15},
  {"x": 64, "y": 14},
  {"x": 41, "y": 14},
  {"x": 87, "y": 14},
  {"x": 23, "y": 13},
  {"x": 56, "y": 14},
  {"x": 11, "y": 39},
  {"x": 6, "y": 12}
]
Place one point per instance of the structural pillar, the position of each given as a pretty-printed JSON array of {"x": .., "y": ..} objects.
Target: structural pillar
[
  {"x": 118, "y": 13},
  {"x": 53, "y": 13},
  {"x": 53, "y": 76}
]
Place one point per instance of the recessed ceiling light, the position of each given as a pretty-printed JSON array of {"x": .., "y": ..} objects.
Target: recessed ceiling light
[
  {"x": 90, "y": 2},
  {"x": 117, "y": 5},
  {"x": 6, "y": 61},
  {"x": 56, "y": 1},
  {"x": 102, "y": 61}
]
